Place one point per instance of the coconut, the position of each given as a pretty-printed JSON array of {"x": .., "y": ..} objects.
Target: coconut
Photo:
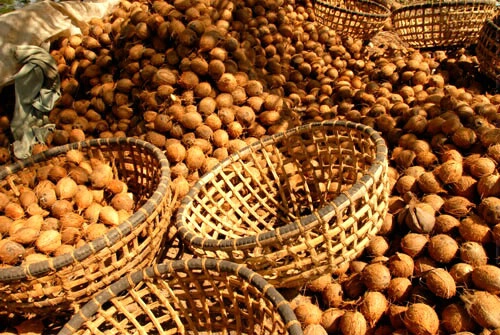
[
  {"x": 419, "y": 217},
  {"x": 474, "y": 228},
  {"x": 482, "y": 166},
  {"x": 376, "y": 276},
  {"x": 373, "y": 306},
  {"x": 353, "y": 323},
  {"x": 48, "y": 241},
  {"x": 465, "y": 186},
  {"x": 319, "y": 284},
  {"x": 406, "y": 183},
  {"x": 489, "y": 186},
  {"x": 421, "y": 319},
  {"x": 11, "y": 252},
  {"x": 332, "y": 294},
  {"x": 399, "y": 289},
  {"x": 483, "y": 307},
  {"x": 95, "y": 230},
  {"x": 455, "y": 319},
  {"x": 445, "y": 224},
  {"x": 442, "y": 248},
  {"x": 413, "y": 244},
  {"x": 489, "y": 210},
  {"x": 450, "y": 171},
  {"x": 308, "y": 313},
  {"x": 424, "y": 264},
  {"x": 14, "y": 210},
  {"x": 315, "y": 329},
  {"x": 441, "y": 283},
  {"x": 473, "y": 253},
  {"x": 487, "y": 277},
  {"x": 462, "y": 273},
  {"x": 457, "y": 206},
  {"x": 66, "y": 188},
  {"x": 435, "y": 200},
  {"x": 428, "y": 183},
  {"x": 396, "y": 315},
  {"x": 401, "y": 265},
  {"x": 330, "y": 319}
]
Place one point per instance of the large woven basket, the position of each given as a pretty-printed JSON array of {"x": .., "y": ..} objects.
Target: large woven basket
[
  {"x": 196, "y": 296},
  {"x": 60, "y": 283},
  {"x": 488, "y": 49},
  {"x": 443, "y": 24},
  {"x": 292, "y": 206},
  {"x": 351, "y": 18}
]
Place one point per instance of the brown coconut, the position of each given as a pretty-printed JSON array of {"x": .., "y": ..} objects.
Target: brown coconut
[{"x": 421, "y": 319}]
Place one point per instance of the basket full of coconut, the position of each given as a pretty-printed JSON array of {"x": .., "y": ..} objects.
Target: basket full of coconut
[
  {"x": 195, "y": 296},
  {"x": 77, "y": 217},
  {"x": 449, "y": 23},
  {"x": 351, "y": 18},
  {"x": 291, "y": 206},
  {"x": 488, "y": 48}
]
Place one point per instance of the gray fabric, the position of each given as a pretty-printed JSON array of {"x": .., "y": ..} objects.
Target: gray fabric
[{"x": 37, "y": 87}]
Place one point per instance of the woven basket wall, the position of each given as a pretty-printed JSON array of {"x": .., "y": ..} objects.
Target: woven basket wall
[
  {"x": 350, "y": 18},
  {"x": 196, "y": 296},
  {"x": 488, "y": 48},
  {"x": 293, "y": 206},
  {"x": 442, "y": 24},
  {"x": 60, "y": 283}
]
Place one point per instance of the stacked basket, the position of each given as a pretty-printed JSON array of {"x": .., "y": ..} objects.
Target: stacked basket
[
  {"x": 60, "y": 283},
  {"x": 488, "y": 48},
  {"x": 196, "y": 296},
  {"x": 350, "y": 18},
  {"x": 293, "y": 206},
  {"x": 437, "y": 23}
]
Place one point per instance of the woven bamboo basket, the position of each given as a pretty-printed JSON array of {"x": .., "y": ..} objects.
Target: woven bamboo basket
[
  {"x": 443, "y": 24},
  {"x": 60, "y": 283},
  {"x": 488, "y": 48},
  {"x": 351, "y": 18},
  {"x": 196, "y": 296},
  {"x": 292, "y": 206}
]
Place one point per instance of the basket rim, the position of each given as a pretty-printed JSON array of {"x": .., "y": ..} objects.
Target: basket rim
[
  {"x": 350, "y": 11},
  {"x": 240, "y": 270},
  {"x": 53, "y": 264},
  {"x": 296, "y": 227},
  {"x": 439, "y": 4}
]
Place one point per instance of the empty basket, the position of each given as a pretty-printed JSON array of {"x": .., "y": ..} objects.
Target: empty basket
[
  {"x": 60, "y": 283},
  {"x": 442, "y": 24},
  {"x": 488, "y": 48},
  {"x": 293, "y": 206},
  {"x": 351, "y": 18},
  {"x": 196, "y": 296}
]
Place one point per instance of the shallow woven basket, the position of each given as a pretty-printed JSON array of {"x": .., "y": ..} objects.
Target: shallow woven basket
[
  {"x": 442, "y": 24},
  {"x": 292, "y": 206},
  {"x": 488, "y": 48},
  {"x": 351, "y": 18},
  {"x": 61, "y": 282},
  {"x": 196, "y": 296}
]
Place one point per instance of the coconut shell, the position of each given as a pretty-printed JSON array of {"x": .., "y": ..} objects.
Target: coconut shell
[
  {"x": 489, "y": 186},
  {"x": 445, "y": 223},
  {"x": 315, "y": 329},
  {"x": 332, "y": 294},
  {"x": 462, "y": 273},
  {"x": 450, "y": 171},
  {"x": 457, "y": 206},
  {"x": 483, "y": 307},
  {"x": 474, "y": 228},
  {"x": 319, "y": 284},
  {"x": 376, "y": 276},
  {"x": 487, "y": 277},
  {"x": 11, "y": 252},
  {"x": 373, "y": 307},
  {"x": 399, "y": 289},
  {"x": 442, "y": 248},
  {"x": 308, "y": 313},
  {"x": 401, "y": 265},
  {"x": 353, "y": 323},
  {"x": 413, "y": 244},
  {"x": 330, "y": 319},
  {"x": 421, "y": 319},
  {"x": 489, "y": 210},
  {"x": 441, "y": 283},
  {"x": 455, "y": 319},
  {"x": 473, "y": 253}
]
